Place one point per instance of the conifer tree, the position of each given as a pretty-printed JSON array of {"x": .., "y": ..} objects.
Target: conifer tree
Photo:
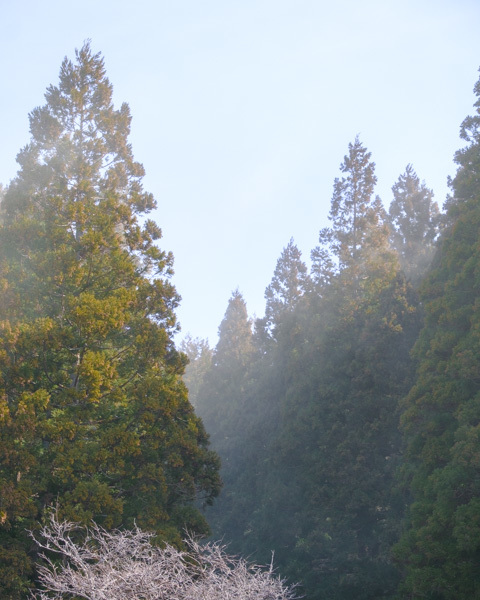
[
  {"x": 234, "y": 346},
  {"x": 316, "y": 478},
  {"x": 440, "y": 548},
  {"x": 94, "y": 416},
  {"x": 357, "y": 239},
  {"x": 344, "y": 365},
  {"x": 290, "y": 283},
  {"x": 220, "y": 401},
  {"x": 414, "y": 221},
  {"x": 200, "y": 357},
  {"x": 231, "y": 409},
  {"x": 338, "y": 445}
]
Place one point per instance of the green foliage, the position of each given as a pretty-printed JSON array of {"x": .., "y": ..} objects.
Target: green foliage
[
  {"x": 200, "y": 357},
  {"x": 234, "y": 415},
  {"x": 94, "y": 414},
  {"x": 221, "y": 399},
  {"x": 234, "y": 347},
  {"x": 440, "y": 548},
  {"x": 290, "y": 283},
  {"x": 357, "y": 240},
  {"x": 415, "y": 222},
  {"x": 307, "y": 427}
]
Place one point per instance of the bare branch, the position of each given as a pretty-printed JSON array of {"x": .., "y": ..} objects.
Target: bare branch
[{"x": 124, "y": 565}]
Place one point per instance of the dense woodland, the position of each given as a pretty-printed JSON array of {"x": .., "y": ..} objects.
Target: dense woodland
[{"x": 347, "y": 419}]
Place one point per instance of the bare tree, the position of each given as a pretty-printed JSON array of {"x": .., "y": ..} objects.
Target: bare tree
[{"x": 95, "y": 564}]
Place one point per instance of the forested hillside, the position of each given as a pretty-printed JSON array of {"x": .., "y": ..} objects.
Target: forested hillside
[{"x": 347, "y": 417}]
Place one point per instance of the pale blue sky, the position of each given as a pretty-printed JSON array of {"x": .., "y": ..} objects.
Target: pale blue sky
[{"x": 243, "y": 111}]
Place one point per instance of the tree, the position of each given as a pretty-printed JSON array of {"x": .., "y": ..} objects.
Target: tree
[
  {"x": 415, "y": 221},
  {"x": 93, "y": 412},
  {"x": 222, "y": 397},
  {"x": 467, "y": 181},
  {"x": 124, "y": 565},
  {"x": 357, "y": 239},
  {"x": 440, "y": 547},
  {"x": 234, "y": 346},
  {"x": 341, "y": 364},
  {"x": 315, "y": 444},
  {"x": 290, "y": 283},
  {"x": 200, "y": 357},
  {"x": 232, "y": 407}
]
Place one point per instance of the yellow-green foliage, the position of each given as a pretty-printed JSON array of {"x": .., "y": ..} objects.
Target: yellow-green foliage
[{"x": 94, "y": 417}]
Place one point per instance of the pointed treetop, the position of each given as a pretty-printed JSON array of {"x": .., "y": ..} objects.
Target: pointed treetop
[
  {"x": 79, "y": 146},
  {"x": 466, "y": 182},
  {"x": 234, "y": 333},
  {"x": 357, "y": 235},
  {"x": 414, "y": 223}
]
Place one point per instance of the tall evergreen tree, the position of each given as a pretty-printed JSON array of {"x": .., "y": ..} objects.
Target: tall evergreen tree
[
  {"x": 234, "y": 346},
  {"x": 219, "y": 401},
  {"x": 290, "y": 283},
  {"x": 200, "y": 357},
  {"x": 415, "y": 222},
  {"x": 338, "y": 446},
  {"x": 440, "y": 549},
  {"x": 345, "y": 367},
  {"x": 94, "y": 416},
  {"x": 229, "y": 408},
  {"x": 357, "y": 239}
]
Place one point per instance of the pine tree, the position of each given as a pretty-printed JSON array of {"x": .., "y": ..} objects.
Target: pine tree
[
  {"x": 357, "y": 240},
  {"x": 316, "y": 482},
  {"x": 221, "y": 399},
  {"x": 94, "y": 416},
  {"x": 467, "y": 181},
  {"x": 333, "y": 464},
  {"x": 290, "y": 283},
  {"x": 344, "y": 366},
  {"x": 200, "y": 357},
  {"x": 234, "y": 346},
  {"x": 415, "y": 221},
  {"x": 440, "y": 548},
  {"x": 230, "y": 405}
]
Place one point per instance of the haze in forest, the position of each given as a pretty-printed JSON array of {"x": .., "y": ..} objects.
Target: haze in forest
[
  {"x": 347, "y": 418},
  {"x": 242, "y": 113},
  {"x": 338, "y": 428}
]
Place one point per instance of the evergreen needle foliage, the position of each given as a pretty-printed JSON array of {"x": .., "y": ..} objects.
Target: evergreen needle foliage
[
  {"x": 93, "y": 412},
  {"x": 304, "y": 412},
  {"x": 440, "y": 549}
]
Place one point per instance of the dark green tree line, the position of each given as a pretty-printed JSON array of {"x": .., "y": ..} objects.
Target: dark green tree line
[
  {"x": 440, "y": 549},
  {"x": 339, "y": 445},
  {"x": 314, "y": 444}
]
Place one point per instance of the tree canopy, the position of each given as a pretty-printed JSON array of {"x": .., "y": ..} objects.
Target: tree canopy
[
  {"x": 94, "y": 414},
  {"x": 308, "y": 435},
  {"x": 415, "y": 223},
  {"x": 440, "y": 548}
]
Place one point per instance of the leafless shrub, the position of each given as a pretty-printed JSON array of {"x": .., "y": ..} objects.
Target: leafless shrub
[{"x": 124, "y": 565}]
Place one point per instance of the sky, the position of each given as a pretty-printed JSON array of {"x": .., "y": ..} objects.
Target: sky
[{"x": 243, "y": 111}]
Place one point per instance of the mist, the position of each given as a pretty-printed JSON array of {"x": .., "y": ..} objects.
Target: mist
[
  {"x": 270, "y": 336},
  {"x": 306, "y": 406}
]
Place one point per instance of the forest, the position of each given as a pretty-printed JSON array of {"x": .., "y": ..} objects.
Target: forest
[
  {"x": 340, "y": 431},
  {"x": 347, "y": 419}
]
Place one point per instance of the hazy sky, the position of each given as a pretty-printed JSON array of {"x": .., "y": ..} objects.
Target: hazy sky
[{"x": 243, "y": 111}]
